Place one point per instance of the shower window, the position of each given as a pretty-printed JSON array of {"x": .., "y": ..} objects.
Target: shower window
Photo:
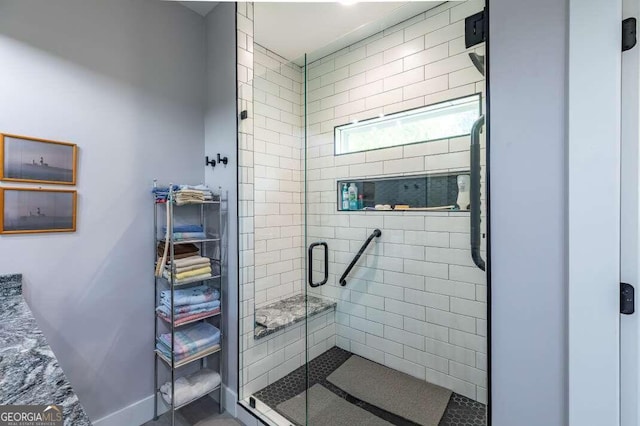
[{"x": 443, "y": 120}]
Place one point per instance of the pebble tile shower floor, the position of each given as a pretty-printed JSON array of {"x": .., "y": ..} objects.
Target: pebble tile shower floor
[{"x": 460, "y": 411}]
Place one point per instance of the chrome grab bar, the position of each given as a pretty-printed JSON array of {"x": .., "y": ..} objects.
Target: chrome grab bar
[
  {"x": 474, "y": 195},
  {"x": 376, "y": 233}
]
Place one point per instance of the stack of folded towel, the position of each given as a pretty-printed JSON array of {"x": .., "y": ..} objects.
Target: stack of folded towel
[
  {"x": 186, "y": 232},
  {"x": 188, "y": 194},
  {"x": 190, "y": 269},
  {"x": 180, "y": 251},
  {"x": 191, "y": 387},
  {"x": 184, "y": 194},
  {"x": 161, "y": 194},
  {"x": 189, "y": 342},
  {"x": 189, "y": 304}
]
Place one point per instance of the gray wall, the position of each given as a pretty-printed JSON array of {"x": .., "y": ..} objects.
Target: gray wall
[
  {"x": 123, "y": 79},
  {"x": 528, "y": 209},
  {"x": 221, "y": 137}
]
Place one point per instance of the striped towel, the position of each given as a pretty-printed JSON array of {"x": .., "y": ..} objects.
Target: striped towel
[
  {"x": 182, "y": 318},
  {"x": 165, "y": 307},
  {"x": 192, "y": 339},
  {"x": 190, "y": 296}
]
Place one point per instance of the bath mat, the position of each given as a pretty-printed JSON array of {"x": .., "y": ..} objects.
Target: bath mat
[
  {"x": 393, "y": 391},
  {"x": 327, "y": 408}
]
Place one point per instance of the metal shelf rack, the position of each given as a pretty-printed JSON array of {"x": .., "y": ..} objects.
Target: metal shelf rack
[{"x": 213, "y": 244}]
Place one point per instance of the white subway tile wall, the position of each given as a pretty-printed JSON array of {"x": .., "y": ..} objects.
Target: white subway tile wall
[
  {"x": 269, "y": 359},
  {"x": 415, "y": 302}
]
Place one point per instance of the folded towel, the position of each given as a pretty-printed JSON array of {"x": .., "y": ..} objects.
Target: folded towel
[
  {"x": 200, "y": 187},
  {"x": 215, "y": 267},
  {"x": 179, "y": 249},
  {"x": 184, "y": 194},
  {"x": 191, "y": 387},
  {"x": 191, "y": 268},
  {"x": 165, "y": 307},
  {"x": 191, "y": 296},
  {"x": 166, "y": 351},
  {"x": 192, "y": 261},
  {"x": 181, "y": 236},
  {"x": 185, "y": 359},
  {"x": 189, "y": 274},
  {"x": 192, "y": 339},
  {"x": 175, "y": 256},
  {"x": 189, "y": 196},
  {"x": 162, "y": 193},
  {"x": 184, "y": 318},
  {"x": 184, "y": 228},
  {"x": 190, "y": 192},
  {"x": 190, "y": 280},
  {"x": 164, "y": 189}
]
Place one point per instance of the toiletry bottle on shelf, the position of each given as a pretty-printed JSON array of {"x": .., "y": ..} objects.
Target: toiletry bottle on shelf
[
  {"x": 360, "y": 202},
  {"x": 345, "y": 197},
  {"x": 353, "y": 197}
]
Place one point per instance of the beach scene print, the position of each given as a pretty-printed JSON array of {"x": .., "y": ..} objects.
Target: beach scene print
[
  {"x": 26, "y": 159},
  {"x": 38, "y": 210}
]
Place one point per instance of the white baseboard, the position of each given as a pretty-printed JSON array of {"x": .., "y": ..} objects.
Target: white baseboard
[
  {"x": 135, "y": 414},
  {"x": 230, "y": 401},
  {"x": 142, "y": 411}
]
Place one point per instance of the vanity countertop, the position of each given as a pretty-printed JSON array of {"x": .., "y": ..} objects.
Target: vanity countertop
[{"x": 29, "y": 371}]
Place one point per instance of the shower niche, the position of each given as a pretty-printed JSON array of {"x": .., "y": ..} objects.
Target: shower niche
[{"x": 429, "y": 192}]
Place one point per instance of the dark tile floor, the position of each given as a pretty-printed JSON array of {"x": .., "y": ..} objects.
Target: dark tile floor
[
  {"x": 460, "y": 411},
  {"x": 203, "y": 412}
]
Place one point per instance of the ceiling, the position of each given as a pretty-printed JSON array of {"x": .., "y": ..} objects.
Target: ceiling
[
  {"x": 318, "y": 29},
  {"x": 201, "y": 7}
]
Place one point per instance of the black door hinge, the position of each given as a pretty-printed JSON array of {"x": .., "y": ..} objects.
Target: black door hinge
[
  {"x": 475, "y": 29},
  {"x": 627, "y": 299},
  {"x": 628, "y": 33}
]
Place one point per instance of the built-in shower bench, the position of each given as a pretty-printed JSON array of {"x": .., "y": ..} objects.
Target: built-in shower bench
[{"x": 278, "y": 315}]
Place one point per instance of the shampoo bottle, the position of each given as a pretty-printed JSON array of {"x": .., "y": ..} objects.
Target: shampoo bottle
[
  {"x": 345, "y": 197},
  {"x": 353, "y": 197}
]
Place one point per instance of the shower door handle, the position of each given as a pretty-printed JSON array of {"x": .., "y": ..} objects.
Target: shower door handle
[
  {"x": 326, "y": 264},
  {"x": 474, "y": 194}
]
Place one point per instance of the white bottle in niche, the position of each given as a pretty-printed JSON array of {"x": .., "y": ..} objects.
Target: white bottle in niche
[
  {"x": 463, "y": 192},
  {"x": 345, "y": 197},
  {"x": 353, "y": 197}
]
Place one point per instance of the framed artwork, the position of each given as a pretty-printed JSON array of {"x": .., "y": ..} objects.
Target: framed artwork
[
  {"x": 27, "y": 159},
  {"x": 30, "y": 210}
]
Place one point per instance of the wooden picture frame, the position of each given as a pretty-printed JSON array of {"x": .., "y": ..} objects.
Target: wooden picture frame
[
  {"x": 36, "y": 210},
  {"x": 35, "y": 160}
]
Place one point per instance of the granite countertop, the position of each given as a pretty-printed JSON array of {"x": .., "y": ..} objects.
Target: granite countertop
[
  {"x": 29, "y": 371},
  {"x": 278, "y": 315}
]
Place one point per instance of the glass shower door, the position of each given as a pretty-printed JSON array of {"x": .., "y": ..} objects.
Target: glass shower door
[
  {"x": 363, "y": 223},
  {"x": 395, "y": 228}
]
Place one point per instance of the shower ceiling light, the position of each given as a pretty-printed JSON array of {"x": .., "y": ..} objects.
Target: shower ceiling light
[{"x": 348, "y": 2}]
